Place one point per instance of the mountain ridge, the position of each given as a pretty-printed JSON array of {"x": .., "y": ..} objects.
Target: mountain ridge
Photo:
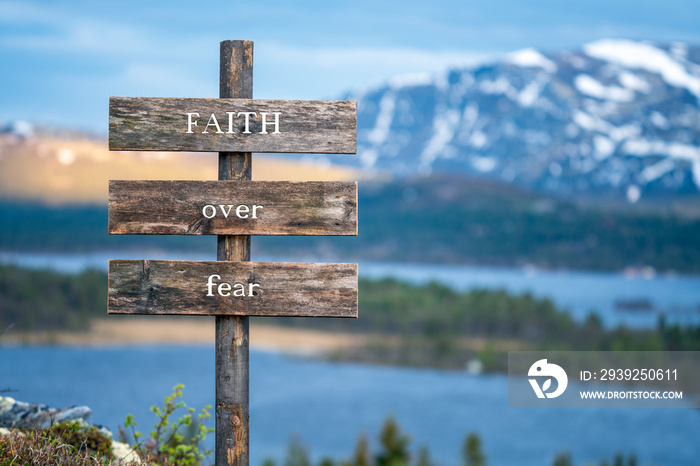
[{"x": 615, "y": 117}]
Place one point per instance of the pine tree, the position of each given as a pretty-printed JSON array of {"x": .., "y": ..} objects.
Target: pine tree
[
  {"x": 424, "y": 457},
  {"x": 394, "y": 446},
  {"x": 297, "y": 455},
  {"x": 563, "y": 459},
  {"x": 471, "y": 452},
  {"x": 362, "y": 456}
]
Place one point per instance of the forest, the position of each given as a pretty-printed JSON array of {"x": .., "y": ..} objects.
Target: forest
[
  {"x": 450, "y": 220},
  {"x": 418, "y": 325}
]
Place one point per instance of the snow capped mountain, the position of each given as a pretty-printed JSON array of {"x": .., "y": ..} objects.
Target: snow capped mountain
[{"x": 616, "y": 115}]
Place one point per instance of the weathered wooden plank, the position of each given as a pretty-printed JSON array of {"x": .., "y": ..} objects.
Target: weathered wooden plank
[
  {"x": 210, "y": 288},
  {"x": 238, "y": 125},
  {"x": 232, "y": 208}
]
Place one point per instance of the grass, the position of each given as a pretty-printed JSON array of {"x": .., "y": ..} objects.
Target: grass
[{"x": 61, "y": 445}]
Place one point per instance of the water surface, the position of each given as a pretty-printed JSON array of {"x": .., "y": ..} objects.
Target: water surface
[{"x": 329, "y": 404}]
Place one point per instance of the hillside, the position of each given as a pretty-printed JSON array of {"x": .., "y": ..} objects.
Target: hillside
[
  {"x": 443, "y": 219},
  {"x": 74, "y": 170},
  {"x": 434, "y": 219}
]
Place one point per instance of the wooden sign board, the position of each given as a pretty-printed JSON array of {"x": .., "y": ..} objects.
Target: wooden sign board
[
  {"x": 232, "y": 208},
  {"x": 232, "y": 125},
  {"x": 232, "y": 288}
]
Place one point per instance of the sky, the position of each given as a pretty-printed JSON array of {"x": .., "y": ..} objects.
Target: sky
[{"x": 61, "y": 60}]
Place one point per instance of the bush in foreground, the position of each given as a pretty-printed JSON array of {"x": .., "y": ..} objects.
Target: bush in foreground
[{"x": 63, "y": 444}]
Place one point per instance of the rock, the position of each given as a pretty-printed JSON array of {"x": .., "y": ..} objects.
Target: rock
[
  {"x": 6, "y": 404},
  {"x": 4, "y": 432},
  {"x": 73, "y": 414},
  {"x": 125, "y": 453},
  {"x": 19, "y": 414}
]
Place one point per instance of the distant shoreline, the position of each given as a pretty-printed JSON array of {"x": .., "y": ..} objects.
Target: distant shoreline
[{"x": 118, "y": 330}]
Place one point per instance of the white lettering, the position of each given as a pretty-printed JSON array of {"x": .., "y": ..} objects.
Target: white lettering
[
  {"x": 239, "y": 289},
  {"x": 215, "y": 124},
  {"x": 191, "y": 123},
  {"x": 241, "y": 210},
  {"x": 210, "y": 284},
  {"x": 230, "y": 122},
  {"x": 226, "y": 212},
  {"x": 213, "y": 211},
  {"x": 224, "y": 289},
  {"x": 247, "y": 120},
  {"x": 265, "y": 123}
]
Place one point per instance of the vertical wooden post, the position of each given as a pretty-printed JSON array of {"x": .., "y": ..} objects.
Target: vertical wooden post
[{"x": 235, "y": 81}]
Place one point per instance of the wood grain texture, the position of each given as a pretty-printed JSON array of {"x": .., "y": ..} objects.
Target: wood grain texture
[
  {"x": 180, "y": 288},
  {"x": 178, "y": 208},
  {"x": 232, "y": 410},
  {"x": 155, "y": 123}
]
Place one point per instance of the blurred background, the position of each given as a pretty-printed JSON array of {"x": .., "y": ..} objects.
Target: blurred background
[{"x": 529, "y": 179}]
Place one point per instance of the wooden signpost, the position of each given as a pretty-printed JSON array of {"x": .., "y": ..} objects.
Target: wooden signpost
[
  {"x": 232, "y": 208},
  {"x": 241, "y": 125},
  {"x": 232, "y": 288}
]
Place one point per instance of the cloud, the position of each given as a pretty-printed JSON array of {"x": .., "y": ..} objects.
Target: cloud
[
  {"x": 375, "y": 57},
  {"x": 334, "y": 70},
  {"x": 74, "y": 52},
  {"x": 57, "y": 28},
  {"x": 161, "y": 80}
]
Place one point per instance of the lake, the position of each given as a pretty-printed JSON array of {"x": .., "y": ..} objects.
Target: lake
[
  {"x": 580, "y": 292},
  {"x": 329, "y": 404}
]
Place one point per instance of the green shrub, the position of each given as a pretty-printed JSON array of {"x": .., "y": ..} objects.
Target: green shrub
[
  {"x": 167, "y": 444},
  {"x": 83, "y": 438}
]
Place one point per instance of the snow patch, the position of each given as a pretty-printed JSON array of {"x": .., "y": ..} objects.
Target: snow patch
[
  {"x": 675, "y": 150},
  {"x": 526, "y": 97},
  {"x": 411, "y": 80},
  {"x": 659, "y": 120},
  {"x": 602, "y": 147},
  {"x": 444, "y": 127},
  {"x": 531, "y": 58},
  {"x": 657, "y": 170},
  {"x": 589, "y": 86},
  {"x": 634, "y": 82},
  {"x": 646, "y": 57},
  {"x": 469, "y": 118},
  {"x": 470, "y": 115},
  {"x": 643, "y": 147},
  {"x": 499, "y": 86},
  {"x": 484, "y": 164},
  {"x": 529, "y": 94},
  {"x": 478, "y": 140},
  {"x": 382, "y": 126},
  {"x": 616, "y": 133},
  {"x": 633, "y": 193}
]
